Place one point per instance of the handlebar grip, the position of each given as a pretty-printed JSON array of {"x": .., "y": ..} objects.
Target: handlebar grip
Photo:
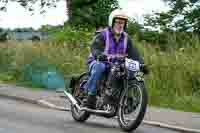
[{"x": 144, "y": 68}]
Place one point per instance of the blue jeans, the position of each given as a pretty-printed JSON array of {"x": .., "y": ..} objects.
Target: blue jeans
[{"x": 96, "y": 70}]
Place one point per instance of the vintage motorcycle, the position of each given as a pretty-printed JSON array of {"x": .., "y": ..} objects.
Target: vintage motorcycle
[{"x": 121, "y": 92}]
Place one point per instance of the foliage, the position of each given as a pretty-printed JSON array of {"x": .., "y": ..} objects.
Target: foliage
[
  {"x": 91, "y": 12},
  {"x": 168, "y": 41},
  {"x": 174, "y": 76},
  {"x": 183, "y": 16},
  {"x": 3, "y": 36},
  {"x": 134, "y": 28},
  {"x": 72, "y": 36}
]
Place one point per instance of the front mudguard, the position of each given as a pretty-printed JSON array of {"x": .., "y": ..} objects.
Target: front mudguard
[{"x": 75, "y": 80}]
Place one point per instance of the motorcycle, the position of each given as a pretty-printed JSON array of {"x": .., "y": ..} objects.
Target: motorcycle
[{"x": 121, "y": 92}]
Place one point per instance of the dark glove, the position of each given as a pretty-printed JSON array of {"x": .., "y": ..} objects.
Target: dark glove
[
  {"x": 145, "y": 69},
  {"x": 102, "y": 57}
]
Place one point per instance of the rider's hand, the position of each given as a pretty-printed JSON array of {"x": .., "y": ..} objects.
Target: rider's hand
[
  {"x": 145, "y": 69},
  {"x": 102, "y": 57}
]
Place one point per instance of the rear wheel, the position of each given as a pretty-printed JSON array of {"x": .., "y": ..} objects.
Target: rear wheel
[
  {"x": 80, "y": 95},
  {"x": 133, "y": 104}
]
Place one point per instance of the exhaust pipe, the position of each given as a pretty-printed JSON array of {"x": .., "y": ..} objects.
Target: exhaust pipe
[
  {"x": 72, "y": 100},
  {"x": 70, "y": 97},
  {"x": 75, "y": 103},
  {"x": 100, "y": 112}
]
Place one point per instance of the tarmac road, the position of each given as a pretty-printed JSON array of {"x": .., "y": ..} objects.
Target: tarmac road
[{"x": 21, "y": 117}]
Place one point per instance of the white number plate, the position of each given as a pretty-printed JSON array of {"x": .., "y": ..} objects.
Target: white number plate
[{"x": 132, "y": 65}]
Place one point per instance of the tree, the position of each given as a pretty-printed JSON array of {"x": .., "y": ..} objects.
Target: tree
[
  {"x": 183, "y": 16},
  {"x": 92, "y": 12},
  {"x": 134, "y": 28},
  {"x": 3, "y": 35}
]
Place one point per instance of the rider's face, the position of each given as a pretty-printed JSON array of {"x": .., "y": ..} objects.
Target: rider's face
[{"x": 118, "y": 26}]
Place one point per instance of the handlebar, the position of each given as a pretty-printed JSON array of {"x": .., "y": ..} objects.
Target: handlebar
[{"x": 120, "y": 60}]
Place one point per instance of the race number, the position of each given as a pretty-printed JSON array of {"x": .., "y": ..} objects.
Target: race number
[{"x": 132, "y": 65}]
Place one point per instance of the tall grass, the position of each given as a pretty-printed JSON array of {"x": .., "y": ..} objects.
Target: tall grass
[{"x": 174, "y": 79}]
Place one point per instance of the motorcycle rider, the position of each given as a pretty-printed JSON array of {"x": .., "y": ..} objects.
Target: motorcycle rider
[{"x": 110, "y": 42}]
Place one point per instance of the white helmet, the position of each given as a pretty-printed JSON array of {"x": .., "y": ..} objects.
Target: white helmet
[{"x": 117, "y": 13}]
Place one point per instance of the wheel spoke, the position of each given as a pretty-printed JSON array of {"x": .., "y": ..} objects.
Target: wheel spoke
[{"x": 131, "y": 105}]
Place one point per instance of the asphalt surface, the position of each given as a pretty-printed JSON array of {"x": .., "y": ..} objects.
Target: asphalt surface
[{"x": 21, "y": 117}]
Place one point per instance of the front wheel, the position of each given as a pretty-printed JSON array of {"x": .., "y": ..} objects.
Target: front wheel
[{"x": 133, "y": 104}]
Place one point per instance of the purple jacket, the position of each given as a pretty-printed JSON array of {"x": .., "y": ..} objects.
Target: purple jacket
[{"x": 105, "y": 43}]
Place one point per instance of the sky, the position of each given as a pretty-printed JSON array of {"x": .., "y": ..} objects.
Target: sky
[
  {"x": 138, "y": 8},
  {"x": 18, "y": 17}
]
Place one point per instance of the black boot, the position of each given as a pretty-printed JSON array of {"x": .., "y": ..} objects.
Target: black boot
[{"x": 91, "y": 101}]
